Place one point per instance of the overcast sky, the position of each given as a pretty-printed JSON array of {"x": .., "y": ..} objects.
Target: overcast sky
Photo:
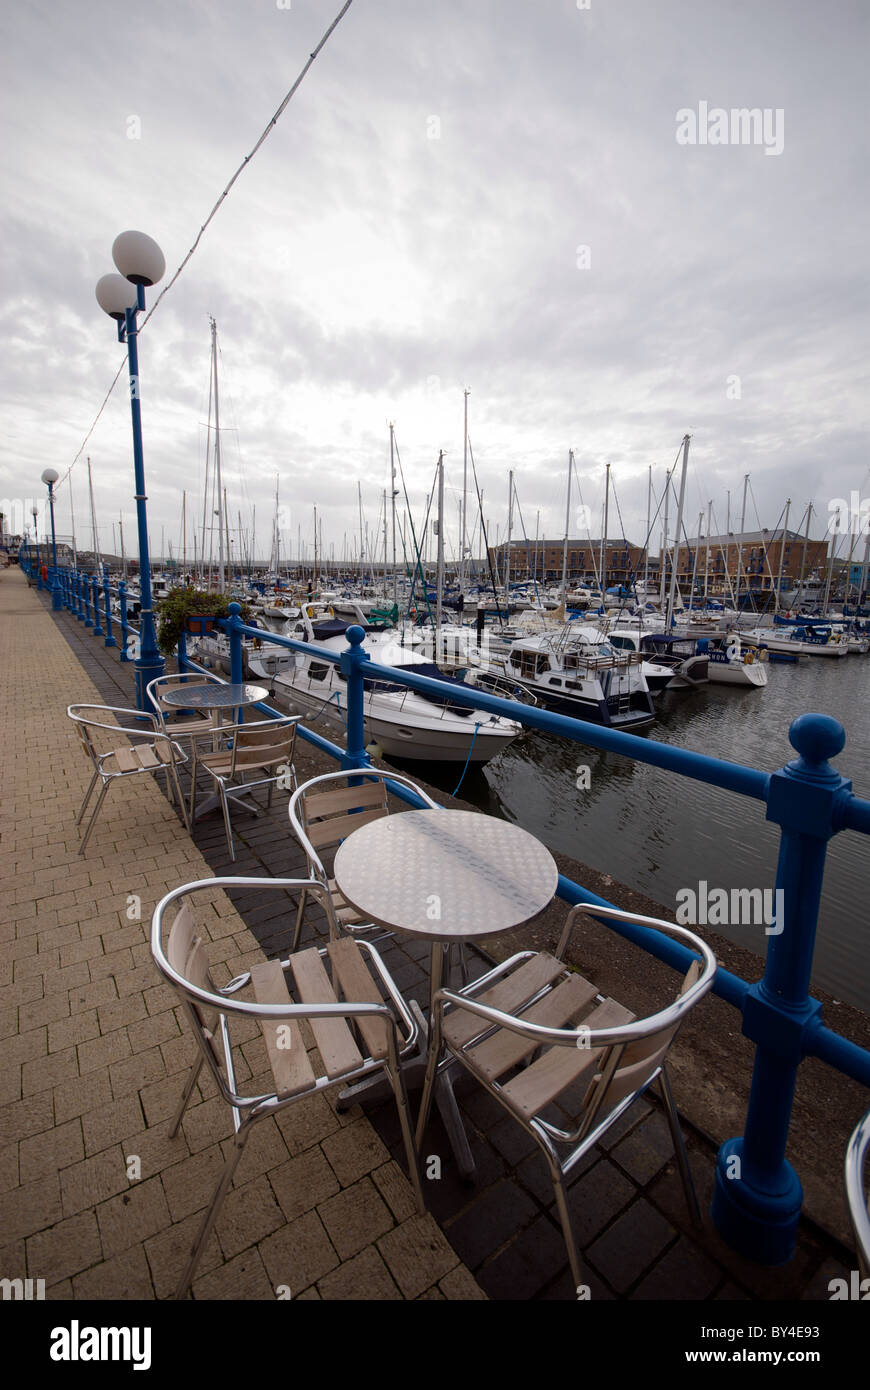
[{"x": 487, "y": 194}]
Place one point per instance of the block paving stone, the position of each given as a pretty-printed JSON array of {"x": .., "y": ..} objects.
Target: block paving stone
[{"x": 96, "y": 1050}]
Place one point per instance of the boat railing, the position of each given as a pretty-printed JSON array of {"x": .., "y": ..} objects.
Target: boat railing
[{"x": 757, "y": 1194}]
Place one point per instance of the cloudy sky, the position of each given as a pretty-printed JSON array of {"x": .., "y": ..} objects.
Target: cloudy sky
[{"x": 481, "y": 194}]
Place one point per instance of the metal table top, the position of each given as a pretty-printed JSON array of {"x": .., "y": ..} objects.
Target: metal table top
[
  {"x": 214, "y": 696},
  {"x": 445, "y": 875}
]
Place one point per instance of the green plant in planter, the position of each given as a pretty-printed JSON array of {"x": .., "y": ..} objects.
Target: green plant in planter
[{"x": 181, "y": 604}]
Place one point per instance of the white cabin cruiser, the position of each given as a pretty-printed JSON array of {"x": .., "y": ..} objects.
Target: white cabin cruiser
[
  {"x": 405, "y": 723},
  {"x": 575, "y": 671}
]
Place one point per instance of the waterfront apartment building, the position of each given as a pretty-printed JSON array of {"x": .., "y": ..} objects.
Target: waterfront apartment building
[
  {"x": 755, "y": 555},
  {"x": 621, "y": 563}
]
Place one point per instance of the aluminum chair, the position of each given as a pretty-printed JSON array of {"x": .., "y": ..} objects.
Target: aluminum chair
[
  {"x": 857, "y": 1195},
  {"x": 368, "y": 1030},
  {"x": 172, "y": 720},
  {"x": 518, "y": 1030},
  {"x": 154, "y": 752},
  {"x": 325, "y": 810},
  {"x": 261, "y": 746}
]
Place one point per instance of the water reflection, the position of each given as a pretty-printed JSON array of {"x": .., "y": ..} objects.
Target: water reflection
[{"x": 658, "y": 833}]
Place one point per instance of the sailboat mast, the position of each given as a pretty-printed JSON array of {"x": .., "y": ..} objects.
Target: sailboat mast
[
  {"x": 73, "y": 522},
  {"x": 682, "y": 497},
  {"x": 707, "y": 556},
  {"x": 646, "y": 545},
  {"x": 463, "y": 530},
  {"x": 782, "y": 541},
  {"x": 567, "y": 528},
  {"x": 217, "y": 462},
  {"x": 97, "y": 558},
  {"x": 664, "y": 564},
  {"x": 510, "y": 526},
  {"x": 440, "y": 584},
  {"x": 740, "y": 544},
  {"x": 184, "y": 534},
  {"x": 604, "y": 537},
  {"x": 123, "y": 556},
  {"x": 393, "y": 499}
]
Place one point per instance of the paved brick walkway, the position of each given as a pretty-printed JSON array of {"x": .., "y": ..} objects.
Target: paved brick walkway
[
  {"x": 626, "y": 1201},
  {"x": 95, "y": 1051}
]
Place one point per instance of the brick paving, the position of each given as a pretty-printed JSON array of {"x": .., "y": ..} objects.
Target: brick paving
[
  {"x": 95, "y": 1048},
  {"x": 325, "y": 1193}
]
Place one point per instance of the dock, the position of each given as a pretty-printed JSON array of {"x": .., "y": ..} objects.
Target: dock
[{"x": 95, "y": 1053}]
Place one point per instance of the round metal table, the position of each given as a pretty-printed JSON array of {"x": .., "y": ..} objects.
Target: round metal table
[
  {"x": 214, "y": 697},
  {"x": 217, "y": 698},
  {"x": 446, "y": 876}
]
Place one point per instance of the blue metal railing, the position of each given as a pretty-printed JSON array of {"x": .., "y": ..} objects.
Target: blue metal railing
[{"x": 758, "y": 1196}]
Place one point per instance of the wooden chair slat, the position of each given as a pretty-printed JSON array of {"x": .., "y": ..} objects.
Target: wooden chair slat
[
  {"x": 560, "y": 1008},
  {"x": 126, "y": 759},
  {"x": 509, "y": 995},
  {"x": 329, "y": 832},
  {"x": 358, "y": 986},
  {"x": 290, "y": 1065},
  {"x": 334, "y": 1039},
  {"x": 146, "y": 756},
  {"x": 344, "y": 799},
  {"x": 534, "y": 1088}
]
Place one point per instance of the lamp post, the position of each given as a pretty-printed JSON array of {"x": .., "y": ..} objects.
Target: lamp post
[
  {"x": 36, "y": 547},
  {"x": 50, "y": 477},
  {"x": 140, "y": 262}
]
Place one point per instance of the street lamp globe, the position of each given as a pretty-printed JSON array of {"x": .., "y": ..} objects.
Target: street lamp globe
[
  {"x": 50, "y": 476},
  {"x": 115, "y": 295},
  {"x": 139, "y": 258}
]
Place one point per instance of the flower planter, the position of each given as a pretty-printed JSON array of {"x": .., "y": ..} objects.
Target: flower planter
[{"x": 197, "y": 624}]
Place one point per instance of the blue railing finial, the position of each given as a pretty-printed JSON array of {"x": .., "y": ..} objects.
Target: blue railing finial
[
  {"x": 817, "y": 737},
  {"x": 355, "y": 635},
  {"x": 235, "y": 609}
]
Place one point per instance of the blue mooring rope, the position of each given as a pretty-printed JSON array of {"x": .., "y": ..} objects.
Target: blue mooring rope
[{"x": 467, "y": 760}]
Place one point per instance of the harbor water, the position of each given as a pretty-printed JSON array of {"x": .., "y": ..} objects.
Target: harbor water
[{"x": 659, "y": 833}]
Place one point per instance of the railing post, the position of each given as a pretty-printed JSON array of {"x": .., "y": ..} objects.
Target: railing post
[
  {"x": 95, "y": 592},
  {"x": 234, "y": 623},
  {"x": 758, "y": 1195},
  {"x": 181, "y": 655},
  {"x": 80, "y": 596},
  {"x": 125, "y": 629},
  {"x": 86, "y": 583},
  {"x": 110, "y": 641},
  {"x": 351, "y": 660}
]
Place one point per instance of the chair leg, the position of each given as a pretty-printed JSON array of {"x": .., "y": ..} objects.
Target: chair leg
[
  {"x": 192, "y": 807},
  {"x": 213, "y": 1208},
  {"x": 181, "y": 803},
  {"x": 679, "y": 1148},
  {"x": 100, "y": 799},
  {"x": 298, "y": 928},
  {"x": 565, "y": 1217},
  {"x": 94, "y": 780},
  {"x": 401, "y": 1093},
  {"x": 227, "y": 826},
  {"x": 185, "y": 1095},
  {"x": 428, "y": 1093}
]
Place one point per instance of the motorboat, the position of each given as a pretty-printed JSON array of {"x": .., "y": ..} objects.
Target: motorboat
[
  {"x": 402, "y": 722},
  {"x": 574, "y": 670}
]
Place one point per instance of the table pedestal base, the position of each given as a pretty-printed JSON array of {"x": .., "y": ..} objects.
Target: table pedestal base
[{"x": 414, "y": 1072}]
